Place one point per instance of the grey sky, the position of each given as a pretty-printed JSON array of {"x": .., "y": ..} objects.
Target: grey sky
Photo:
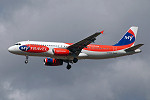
[{"x": 125, "y": 78}]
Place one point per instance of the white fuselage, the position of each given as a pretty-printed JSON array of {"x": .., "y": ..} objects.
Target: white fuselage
[{"x": 91, "y": 52}]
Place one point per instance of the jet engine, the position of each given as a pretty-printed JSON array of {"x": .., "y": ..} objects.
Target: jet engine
[
  {"x": 61, "y": 52},
  {"x": 53, "y": 62}
]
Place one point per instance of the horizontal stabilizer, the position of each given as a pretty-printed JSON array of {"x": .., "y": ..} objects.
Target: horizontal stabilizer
[{"x": 134, "y": 48}]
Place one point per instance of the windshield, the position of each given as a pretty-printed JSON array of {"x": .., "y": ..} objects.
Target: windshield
[{"x": 17, "y": 43}]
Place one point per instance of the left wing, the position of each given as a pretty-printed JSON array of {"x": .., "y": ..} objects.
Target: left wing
[{"x": 77, "y": 47}]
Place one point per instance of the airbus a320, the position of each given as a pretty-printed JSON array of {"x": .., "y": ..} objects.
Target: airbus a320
[{"x": 57, "y": 53}]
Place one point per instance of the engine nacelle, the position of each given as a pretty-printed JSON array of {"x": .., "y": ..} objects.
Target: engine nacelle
[
  {"x": 53, "y": 62},
  {"x": 61, "y": 52}
]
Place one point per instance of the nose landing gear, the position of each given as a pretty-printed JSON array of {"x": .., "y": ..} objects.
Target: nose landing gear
[{"x": 26, "y": 61}]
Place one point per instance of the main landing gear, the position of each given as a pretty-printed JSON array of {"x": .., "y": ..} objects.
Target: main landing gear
[
  {"x": 26, "y": 61},
  {"x": 68, "y": 66},
  {"x": 75, "y": 60}
]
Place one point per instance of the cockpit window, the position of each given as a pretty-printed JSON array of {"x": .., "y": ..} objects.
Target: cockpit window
[{"x": 17, "y": 43}]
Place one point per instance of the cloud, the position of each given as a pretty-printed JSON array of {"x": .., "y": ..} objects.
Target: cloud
[
  {"x": 114, "y": 82},
  {"x": 70, "y": 21}
]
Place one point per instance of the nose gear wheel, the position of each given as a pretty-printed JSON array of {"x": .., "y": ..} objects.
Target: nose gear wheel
[{"x": 26, "y": 61}]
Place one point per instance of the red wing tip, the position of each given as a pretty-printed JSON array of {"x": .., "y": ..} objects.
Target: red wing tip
[{"x": 102, "y": 31}]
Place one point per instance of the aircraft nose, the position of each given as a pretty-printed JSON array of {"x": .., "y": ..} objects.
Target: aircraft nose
[{"x": 11, "y": 49}]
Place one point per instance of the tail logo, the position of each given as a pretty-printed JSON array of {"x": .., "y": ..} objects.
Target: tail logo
[{"x": 129, "y": 37}]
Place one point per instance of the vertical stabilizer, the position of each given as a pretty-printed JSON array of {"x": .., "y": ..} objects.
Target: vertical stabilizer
[{"x": 129, "y": 37}]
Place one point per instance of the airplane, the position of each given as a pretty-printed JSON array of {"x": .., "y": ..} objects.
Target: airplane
[{"x": 57, "y": 53}]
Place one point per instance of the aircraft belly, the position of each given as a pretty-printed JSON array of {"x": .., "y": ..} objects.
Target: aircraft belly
[{"x": 103, "y": 55}]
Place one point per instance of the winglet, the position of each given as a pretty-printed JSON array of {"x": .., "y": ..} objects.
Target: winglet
[{"x": 102, "y": 32}]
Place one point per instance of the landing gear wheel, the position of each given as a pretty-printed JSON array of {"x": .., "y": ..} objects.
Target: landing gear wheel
[
  {"x": 75, "y": 60},
  {"x": 68, "y": 66},
  {"x": 26, "y": 61}
]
